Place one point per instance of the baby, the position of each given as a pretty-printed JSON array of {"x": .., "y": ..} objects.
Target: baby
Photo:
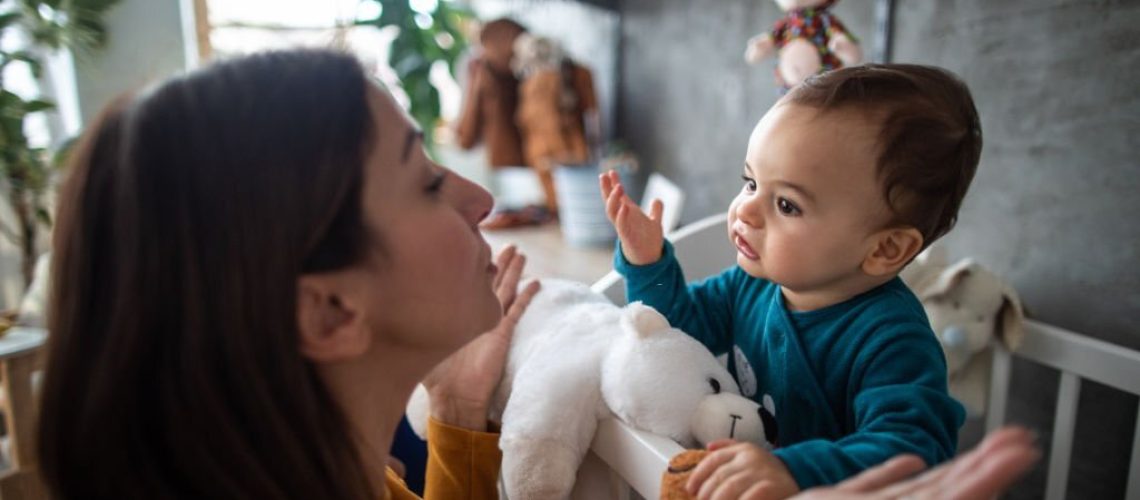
[{"x": 846, "y": 179}]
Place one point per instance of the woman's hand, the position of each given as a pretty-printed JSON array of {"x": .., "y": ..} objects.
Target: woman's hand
[
  {"x": 985, "y": 472},
  {"x": 641, "y": 235},
  {"x": 460, "y": 387}
]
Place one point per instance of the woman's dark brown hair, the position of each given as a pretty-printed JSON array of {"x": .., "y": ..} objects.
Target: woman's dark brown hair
[{"x": 190, "y": 212}]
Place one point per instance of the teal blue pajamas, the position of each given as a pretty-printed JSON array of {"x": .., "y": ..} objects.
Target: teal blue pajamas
[{"x": 852, "y": 384}]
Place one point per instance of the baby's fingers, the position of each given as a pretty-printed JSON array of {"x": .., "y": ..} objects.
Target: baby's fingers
[
  {"x": 605, "y": 184},
  {"x": 655, "y": 211},
  {"x": 614, "y": 203},
  {"x": 705, "y": 469}
]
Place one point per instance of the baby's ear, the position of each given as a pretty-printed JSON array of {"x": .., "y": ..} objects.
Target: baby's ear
[{"x": 892, "y": 249}]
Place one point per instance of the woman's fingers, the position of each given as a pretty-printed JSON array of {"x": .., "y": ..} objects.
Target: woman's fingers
[
  {"x": 522, "y": 301},
  {"x": 511, "y": 275},
  {"x": 999, "y": 468},
  {"x": 501, "y": 262},
  {"x": 985, "y": 471},
  {"x": 890, "y": 472}
]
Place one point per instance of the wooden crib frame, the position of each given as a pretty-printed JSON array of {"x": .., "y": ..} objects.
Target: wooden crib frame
[{"x": 627, "y": 463}]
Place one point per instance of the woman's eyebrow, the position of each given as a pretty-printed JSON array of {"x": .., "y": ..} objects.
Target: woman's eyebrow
[{"x": 409, "y": 140}]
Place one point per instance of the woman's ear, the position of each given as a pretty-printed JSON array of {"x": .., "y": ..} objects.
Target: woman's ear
[
  {"x": 331, "y": 328},
  {"x": 893, "y": 249}
]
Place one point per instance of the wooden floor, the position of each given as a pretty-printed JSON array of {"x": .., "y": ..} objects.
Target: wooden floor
[{"x": 549, "y": 256}]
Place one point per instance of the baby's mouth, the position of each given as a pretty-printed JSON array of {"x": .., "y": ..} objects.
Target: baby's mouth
[{"x": 744, "y": 248}]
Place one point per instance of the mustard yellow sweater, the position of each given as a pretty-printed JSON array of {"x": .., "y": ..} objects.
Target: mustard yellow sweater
[{"x": 462, "y": 464}]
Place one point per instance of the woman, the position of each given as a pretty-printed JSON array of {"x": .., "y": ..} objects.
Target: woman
[{"x": 254, "y": 265}]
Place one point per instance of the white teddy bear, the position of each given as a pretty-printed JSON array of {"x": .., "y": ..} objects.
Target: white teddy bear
[{"x": 575, "y": 359}]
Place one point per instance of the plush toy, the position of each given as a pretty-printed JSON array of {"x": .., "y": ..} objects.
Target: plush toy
[
  {"x": 969, "y": 308},
  {"x": 809, "y": 38},
  {"x": 558, "y": 111},
  {"x": 575, "y": 359},
  {"x": 676, "y": 476}
]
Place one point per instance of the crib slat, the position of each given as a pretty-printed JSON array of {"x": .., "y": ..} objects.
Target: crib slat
[
  {"x": 999, "y": 388},
  {"x": 1133, "y": 490},
  {"x": 1064, "y": 426}
]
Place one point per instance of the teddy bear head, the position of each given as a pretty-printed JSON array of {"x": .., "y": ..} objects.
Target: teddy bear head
[
  {"x": 969, "y": 307},
  {"x": 659, "y": 379}
]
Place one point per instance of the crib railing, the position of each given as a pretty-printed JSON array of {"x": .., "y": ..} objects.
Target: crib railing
[
  {"x": 634, "y": 460},
  {"x": 1077, "y": 357}
]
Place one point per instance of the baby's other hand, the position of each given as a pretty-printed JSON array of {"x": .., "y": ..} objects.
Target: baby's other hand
[
  {"x": 741, "y": 470},
  {"x": 641, "y": 235}
]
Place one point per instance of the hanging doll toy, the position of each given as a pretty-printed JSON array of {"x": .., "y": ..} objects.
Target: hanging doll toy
[{"x": 809, "y": 38}]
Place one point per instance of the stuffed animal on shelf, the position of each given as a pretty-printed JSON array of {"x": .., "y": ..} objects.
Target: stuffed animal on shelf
[
  {"x": 558, "y": 110},
  {"x": 577, "y": 358},
  {"x": 970, "y": 309},
  {"x": 809, "y": 39}
]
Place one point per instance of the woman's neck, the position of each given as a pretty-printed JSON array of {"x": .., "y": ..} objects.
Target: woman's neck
[{"x": 373, "y": 401}]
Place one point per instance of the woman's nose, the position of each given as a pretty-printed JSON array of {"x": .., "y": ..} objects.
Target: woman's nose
[{"x": 474, "y": 201}]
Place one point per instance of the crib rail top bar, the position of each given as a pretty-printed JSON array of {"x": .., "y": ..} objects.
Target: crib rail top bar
[
  {"x": 1087, "y": 357},
  {"x": 637, "y": 456}
]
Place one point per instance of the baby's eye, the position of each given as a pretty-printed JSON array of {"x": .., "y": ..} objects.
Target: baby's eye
[
  {"x": 715, "y": 385},
  {"x": 787, "y": 208},
  {"x": 749, "y": 184}
]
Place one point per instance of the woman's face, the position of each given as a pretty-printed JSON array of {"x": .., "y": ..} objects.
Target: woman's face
[{"x": 427, "y": 276}]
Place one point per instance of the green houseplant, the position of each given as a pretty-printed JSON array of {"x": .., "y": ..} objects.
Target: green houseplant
[
  {"x": 425, "y": 36},
  {"x": 26, "y": 170}
]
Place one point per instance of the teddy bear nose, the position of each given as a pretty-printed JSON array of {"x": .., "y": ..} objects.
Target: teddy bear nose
[{"x": 954, "y": 337}]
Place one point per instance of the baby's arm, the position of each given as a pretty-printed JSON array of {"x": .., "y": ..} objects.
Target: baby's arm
[
  {"x": 702, "y": 309},
  {"x": 900, "y": 404},
  {"x": 654, "y": 277}
]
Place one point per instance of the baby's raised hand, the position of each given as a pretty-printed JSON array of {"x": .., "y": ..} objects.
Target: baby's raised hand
[
  {"x": 641, "y": 235},
  {"x": 743, "y": 471}
]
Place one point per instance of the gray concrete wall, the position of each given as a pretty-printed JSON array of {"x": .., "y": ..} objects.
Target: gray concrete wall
[
  {"x": 1054, "y": 203},
  {"x": 688, "y": 101}
]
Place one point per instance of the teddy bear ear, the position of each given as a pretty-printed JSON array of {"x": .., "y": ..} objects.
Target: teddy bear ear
[{"x": 643, "y": 321}]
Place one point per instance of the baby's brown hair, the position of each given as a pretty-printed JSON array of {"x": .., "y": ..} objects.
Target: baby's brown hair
[{"x": 930, "y": 138}]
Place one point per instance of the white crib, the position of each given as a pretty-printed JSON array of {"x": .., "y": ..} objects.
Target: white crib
[{"x": 627, "y": 463}]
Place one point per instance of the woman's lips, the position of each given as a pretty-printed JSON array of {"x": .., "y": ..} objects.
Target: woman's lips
[{"x": 744, "y": 248}]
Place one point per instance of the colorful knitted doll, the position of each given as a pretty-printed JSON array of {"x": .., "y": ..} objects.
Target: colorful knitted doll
[{"x": 809, "y": 38}]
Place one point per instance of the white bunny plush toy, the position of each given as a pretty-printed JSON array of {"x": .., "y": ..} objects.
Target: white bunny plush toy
[{"x": 970, "y": 309}]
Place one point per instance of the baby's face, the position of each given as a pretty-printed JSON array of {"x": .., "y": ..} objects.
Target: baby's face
[{"x": 810, "y": 203}]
